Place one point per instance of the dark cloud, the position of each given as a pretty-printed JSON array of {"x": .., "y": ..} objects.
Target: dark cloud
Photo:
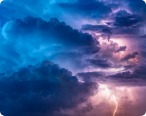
[
  {"x": 121, "y": 31},
  {"x": 108, "y": 32},
  {"x": 129, "y": 56},
  {"x": 87, "y": 108},
  {"x": 33, "y": 40},
  {"x": 127, "y": 21},
  {"x": 122, "y": 13},
  {"x": 137, "y": 77},
  {"x": 97, "y": 28},
  {"x": 92, "y": 50},
  {"x": 120, "y": 23},
  {"x": 108, "y": 50},
  {"x": 88, "y": 9},
  {"x": 137, "y": 6},
  {"x": 52, "y": 31},
  {"x": 126, "y": 78},
  {"x": 122, "y": 48},
  {"x": 99, "y": 63},
  {"x": 91, "y": 76},
  {"x": 143, "y": 36},
  {"x": 41, "y": 90},
  {"x": 143, "y": 54}
]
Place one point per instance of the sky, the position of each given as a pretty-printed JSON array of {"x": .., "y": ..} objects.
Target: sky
[{"x": 72, "y": 57}]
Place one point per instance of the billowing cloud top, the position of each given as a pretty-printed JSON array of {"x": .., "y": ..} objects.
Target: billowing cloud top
[{"x": 41, "y": 90}]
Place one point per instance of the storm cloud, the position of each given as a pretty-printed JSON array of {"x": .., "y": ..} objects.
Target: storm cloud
[
  {"x": 100, "y": 63},
  {"x": 41, "y": 90},
  {"x": 91, "y": 76},
  {"x": 101, "y": 42},
  {"x": 129, "y": 56},
  {"x": 88, "y": 9},
  {"x": 135, "y": 78},
  {"x": 34, "y": 39},
  {"x": 122, "y": 48}
]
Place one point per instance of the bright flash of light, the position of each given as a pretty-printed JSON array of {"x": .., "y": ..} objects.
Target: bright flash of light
[
  {"x": 1, "y": 1},
  {"x": 108, "y": 93},
  {"x": 1, "y": 114},
  {"x": 144, "y": 1},
  {"x": 120, "y": 42},
  {"x": 114, "y": 98},
  {"x": 121, "y": 53},
  {"x": 144, "y": 114}
]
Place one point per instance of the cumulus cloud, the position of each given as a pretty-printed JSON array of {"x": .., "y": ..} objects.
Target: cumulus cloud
[
  {"x": 129, "y": 56},
  {"x": 108, "y": 32},
  {"x": 135, "y": 78},
  {"x": 125, "y": 78},
  {"x": 33, "y": 39},
  {"x": 52, "y": 31},
  {"x": 122, "y": 48},
  {"x": 99, "y": 63},
  {"x": 91, "y": 76},
  {"x": 119, "y": 25},
  {"x": 127, "y": 21},
  {"x": 42, "y": 89}
]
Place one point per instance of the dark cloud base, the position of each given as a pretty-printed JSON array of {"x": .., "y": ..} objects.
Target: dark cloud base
[
  {"x": 41, "y": 90},
  {"x": 129, "y": 56},
  {"x": 99, "y": 63}
]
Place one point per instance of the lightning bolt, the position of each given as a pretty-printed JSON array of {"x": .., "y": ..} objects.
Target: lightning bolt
[{"x": 114, "y": 98}]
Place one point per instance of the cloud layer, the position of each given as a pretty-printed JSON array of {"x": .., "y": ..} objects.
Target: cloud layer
[
  {"x": 41, "y": 90},
  {"x": 34, "y": 39},
  {"x": 102, "y": 42}
]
